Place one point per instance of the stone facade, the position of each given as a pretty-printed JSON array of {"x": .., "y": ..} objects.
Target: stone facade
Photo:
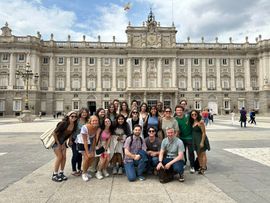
[{"x": 151, "y": 66}]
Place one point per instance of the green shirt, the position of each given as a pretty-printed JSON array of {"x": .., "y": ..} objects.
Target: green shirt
[{"x": 184, "y": 127}]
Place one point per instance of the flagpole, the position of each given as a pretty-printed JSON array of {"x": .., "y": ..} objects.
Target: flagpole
[{"x": 172, "y": 13}]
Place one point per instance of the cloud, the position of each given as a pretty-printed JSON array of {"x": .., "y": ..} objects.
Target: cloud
[
  {"x": 112, "y": 21},
  {"x": 28, "y": 17},
  {"x": 211, "y": 18}
]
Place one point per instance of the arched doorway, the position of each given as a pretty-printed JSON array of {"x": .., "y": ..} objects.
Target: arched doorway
[{"x": 212, "y": 104}]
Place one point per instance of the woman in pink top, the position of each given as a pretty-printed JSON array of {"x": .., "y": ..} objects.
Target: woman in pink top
[{"x": 104, "y": 140}]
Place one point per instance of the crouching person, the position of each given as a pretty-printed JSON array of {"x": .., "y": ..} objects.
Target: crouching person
[
  {"x": 135, "y": 155},
  {"x": 172, "y": 162}
]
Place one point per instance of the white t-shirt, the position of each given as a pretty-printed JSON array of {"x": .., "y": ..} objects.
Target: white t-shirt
[{"x": 84, "y": 131}]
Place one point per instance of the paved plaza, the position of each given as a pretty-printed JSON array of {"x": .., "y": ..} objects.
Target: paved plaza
[{"x": 238, "y": 169}]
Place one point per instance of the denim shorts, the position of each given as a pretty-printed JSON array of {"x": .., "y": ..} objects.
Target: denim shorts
[{"x": 55, "y": 145}]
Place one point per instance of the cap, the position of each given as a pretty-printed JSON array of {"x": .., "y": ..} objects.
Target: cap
[{"x": 71, "y": 112}]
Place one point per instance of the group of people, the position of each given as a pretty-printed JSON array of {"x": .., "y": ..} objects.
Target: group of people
[
  {"x": 243, "y": 117},
  {"x": 138, "y": 140}
]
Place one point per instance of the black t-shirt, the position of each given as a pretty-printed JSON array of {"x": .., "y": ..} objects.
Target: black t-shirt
[
  {"x": 154, "y": 146},
  {"x": 134, "y": 123}
]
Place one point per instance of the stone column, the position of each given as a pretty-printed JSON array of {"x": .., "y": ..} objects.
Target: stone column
[
  {"x": 144, "y": 72},
  {"x": 129, "y": 98},
  {"x": 129, "y": 73},
  {"x": 232, "y": 74},
  {"x": 247, "y": 74},
  {"x": 12, "y": 69},
  {"x": 52, "y": 74},
  {"x": 144, "y": 97},
  {"x": 33, "y": 67},
  {"x": 189, "y": 87},
  {"x": 161, "y": 97},
  {"x": 204, "y": 85},
  {"x": 68, "y": 75},
  {"x": 176, "y": 99},
  {"x": 218, "y": 75},
  {"x": 260, "y": 73},
  {"x": 114, "y": 85},
  {"x": 174, "y": 74},
  {"x": 83, "y": 73},
  {"x": 159, "y": 73},
  {"x": 99, "y": 85}
]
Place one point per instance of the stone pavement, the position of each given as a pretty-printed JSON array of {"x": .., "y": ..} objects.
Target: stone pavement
[{"x": 238, "y": 170}]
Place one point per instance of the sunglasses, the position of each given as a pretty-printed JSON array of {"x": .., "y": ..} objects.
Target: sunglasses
[
  {"x": 134, "y": 112},
  {"x": 151, "y": 131},
  {"x": 194, "y": 114},
  {"x": 168, "y": 111}
]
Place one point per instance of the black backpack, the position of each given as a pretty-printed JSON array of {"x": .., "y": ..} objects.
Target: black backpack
[{"x": 131, "y": 140}]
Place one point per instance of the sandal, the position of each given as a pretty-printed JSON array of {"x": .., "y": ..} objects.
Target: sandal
[{"x": 76, "y": 173}]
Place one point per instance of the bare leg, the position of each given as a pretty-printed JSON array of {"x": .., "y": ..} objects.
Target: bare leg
[
  {"x": 63, "y": 161},
  {"x": 58, "y": 154}
]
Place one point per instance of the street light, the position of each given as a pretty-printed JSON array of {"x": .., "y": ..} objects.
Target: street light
[{"x": 27, "y": 74}]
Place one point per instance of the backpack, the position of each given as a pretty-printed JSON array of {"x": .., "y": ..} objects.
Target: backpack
[{"x": 131, "y": 140}]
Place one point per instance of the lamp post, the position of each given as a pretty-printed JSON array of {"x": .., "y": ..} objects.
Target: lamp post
[{"x": 27, "y": 75}]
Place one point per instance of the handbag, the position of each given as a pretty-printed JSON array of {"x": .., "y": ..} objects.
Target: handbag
[
  {"x": 47, "y": 138},
  {"x": 99, "y": 150},
  {"x": 165, "y": 176}
]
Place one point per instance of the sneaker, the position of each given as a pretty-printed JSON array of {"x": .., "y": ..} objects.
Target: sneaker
[
  {"x": 56, "y": 178},
  {"x": 99, "y": 175},
  {"x": 85, "y": 177},
  {"x": 192, "y": 170},
  {"x": 89, "y": 175},
  {"x": 114, "y": 170},
  {"x": 61, "y": 174},
  {"x": 105, "y": 173},
  {"x": 120, "y": 171},
  {"x": 141, "y": 178},
  {"x": 181, "y": 178}
]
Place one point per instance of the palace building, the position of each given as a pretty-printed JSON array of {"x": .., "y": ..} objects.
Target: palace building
[{"x": 150, "y": 67}]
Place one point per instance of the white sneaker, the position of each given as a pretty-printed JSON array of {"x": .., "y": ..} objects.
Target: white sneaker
[
  {"x": 192, "y": 170},
  {"x": 89, "y": 175},
  {"x": 105, "y": 173},
  {"x": 120, "y": 171},
  {"x": 85, "y": 177},
  {"x": 99, "y": 175}
]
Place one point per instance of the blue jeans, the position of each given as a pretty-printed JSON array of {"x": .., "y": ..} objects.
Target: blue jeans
[
  {"x": 178, "y": 166},
  {"x": 152, "y": 162},
  {"x": 140, "y": 164}
]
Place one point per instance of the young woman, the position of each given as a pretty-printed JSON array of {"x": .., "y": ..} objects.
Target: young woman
[
  {"x": 111, "y": 113},
  {"x": 62, "y": 133},
  {"x": 86, "y": 143},
  {"x": 124, "y": 110},
  {"x": 76, "y": 160},
  {"x": 135, "y": 119},
  {"x": 100, "y": 113},
  {"x": 200, "y": 141},
  {"x": 104, "y": 140},
  {"x": 120, "y": 132},
  {"x": 143, "y": 111},
  {"x": 152, "y": 120},
  {"x": 169, "y": 122}
]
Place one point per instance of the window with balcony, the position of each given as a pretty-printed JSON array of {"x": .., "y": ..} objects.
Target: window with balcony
[
  {"x": 60, "y": 83},
  {"x": 91, "y": 84},
  {"x": 91, "y": 61},
  {"x": 21, "y": 57},
  {"x": 17, "y": 105},
  {"x": 76, "y": 61},
  {"x": 3, "y": 81},
  {"x": 44, "y": 84},
  {"x": 76, "y": 84},
  {"x": 106, "y": 84},
  {"x": 197, "y": 105},
  {"x": 182, "y": 84},
  {"x": 137, "y": 82},
  {"x": 211, "y": 84},
  {"x": 224, "y": 62},
  {"x": 121, "y": 61},
  {"x": 5, "y": 57},
  {"x": 182, "y": 62},
  {"x": 121, "y": 84},
  {"x": 106, "y": 61},
  {"x": 45, "y": 60},
  {"x": 136, "y": 62},
  {"x": 196, "y": 83},
  {"x": 196, "y": 62},
  {"x": 2, "y": 105},
  {"x": 60, "y": 60}
]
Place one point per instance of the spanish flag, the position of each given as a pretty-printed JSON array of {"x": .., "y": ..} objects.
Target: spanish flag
[{"x": 127, "y": 6}]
